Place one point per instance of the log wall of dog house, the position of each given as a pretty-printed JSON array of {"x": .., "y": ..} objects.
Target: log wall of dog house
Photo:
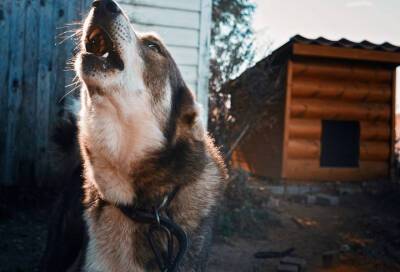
[{"x": 342, "y": 91}]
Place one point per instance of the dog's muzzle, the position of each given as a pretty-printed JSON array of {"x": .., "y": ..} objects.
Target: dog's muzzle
[{"x": 100, "y": 50}]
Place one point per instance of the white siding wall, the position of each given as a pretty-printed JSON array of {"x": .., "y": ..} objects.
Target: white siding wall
[{"x": 184, "y": 26}]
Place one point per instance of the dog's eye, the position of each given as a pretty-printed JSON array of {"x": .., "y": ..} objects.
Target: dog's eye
[{"x": 153, "y": 46}]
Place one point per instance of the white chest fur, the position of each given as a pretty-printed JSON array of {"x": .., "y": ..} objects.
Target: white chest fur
[
  {"x": 110, "y": 247},
  {"x": 117, "y": 132}
]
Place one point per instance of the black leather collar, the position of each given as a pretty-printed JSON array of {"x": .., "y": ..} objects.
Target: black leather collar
[{"x": 161, "y": 222}]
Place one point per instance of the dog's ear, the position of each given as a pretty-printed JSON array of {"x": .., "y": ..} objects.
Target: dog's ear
[{"x": 189, "y": 123}]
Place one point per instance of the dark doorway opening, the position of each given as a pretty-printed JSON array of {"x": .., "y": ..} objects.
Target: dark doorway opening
[{"x": 340, "y": 143}]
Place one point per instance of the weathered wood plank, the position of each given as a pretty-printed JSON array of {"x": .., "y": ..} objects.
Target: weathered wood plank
[
  {"x": 26, "y": 137},
  {"x": 15, "y": 88},
  {"x": 162, "y": 16},
  {"x": 45, "y": 85},
  {"x": 172, "y": 36},
  {"x": 191, "y": 5},
  {"x": 60, "y": 55},
  {"x": 5, "y": 22}
]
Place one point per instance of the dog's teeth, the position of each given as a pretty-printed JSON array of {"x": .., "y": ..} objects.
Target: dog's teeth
[{"x": 105, "y": 55}]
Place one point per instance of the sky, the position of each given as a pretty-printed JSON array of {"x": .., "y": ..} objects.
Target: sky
[
  {"x": 377, "y": 21},
  {"x": 275, "y": 21}
]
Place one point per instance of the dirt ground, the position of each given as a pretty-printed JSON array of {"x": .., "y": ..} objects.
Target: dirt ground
[{"x": 363, "y": 232}]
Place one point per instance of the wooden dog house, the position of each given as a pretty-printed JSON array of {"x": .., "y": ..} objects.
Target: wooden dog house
[{"x": 335, "y": 119}]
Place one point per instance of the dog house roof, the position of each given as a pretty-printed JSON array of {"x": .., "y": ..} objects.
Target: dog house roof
[
  {"x": 385, "y": 52},
  {"x": 345, "y": 43}
]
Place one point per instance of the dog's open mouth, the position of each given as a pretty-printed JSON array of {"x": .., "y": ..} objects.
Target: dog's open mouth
[{"x": 99, "y": 43}]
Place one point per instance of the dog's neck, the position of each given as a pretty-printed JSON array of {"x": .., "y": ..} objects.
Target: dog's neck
[{"x": 115, "y": 135}]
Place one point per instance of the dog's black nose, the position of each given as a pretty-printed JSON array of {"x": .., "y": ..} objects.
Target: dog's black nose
[{"x": 106, "y": 5}]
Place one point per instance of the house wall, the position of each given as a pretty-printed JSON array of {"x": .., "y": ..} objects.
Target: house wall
[
  {"x": 185, "y": 28},
  {"x": 334, "y": 90}
]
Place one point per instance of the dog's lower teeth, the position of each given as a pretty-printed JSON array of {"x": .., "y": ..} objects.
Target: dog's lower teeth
[{"x": 105, "y": 55}]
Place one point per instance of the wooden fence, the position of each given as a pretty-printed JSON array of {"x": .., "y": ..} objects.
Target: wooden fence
[{"x": 33, "y": 77}]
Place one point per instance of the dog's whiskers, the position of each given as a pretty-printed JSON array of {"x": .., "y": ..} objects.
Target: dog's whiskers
[
  {"x": 80, "y": 23},
  {"x": 74, "y": 36},
  {"x": 69, "y": 66},
  {"x": 72, "y": 84},
  {"x": 67, "y": 38},
  {"x": 69, "y": 92},
  {"x": 75, "y": 84},
  {"x": 76, "y": 32}
]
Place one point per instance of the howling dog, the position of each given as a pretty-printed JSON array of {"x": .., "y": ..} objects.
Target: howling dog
[{"x": 148, "y": 174}]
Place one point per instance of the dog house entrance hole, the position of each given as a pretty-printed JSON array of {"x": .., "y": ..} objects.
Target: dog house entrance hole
[{"x": 340, "y": 143}]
